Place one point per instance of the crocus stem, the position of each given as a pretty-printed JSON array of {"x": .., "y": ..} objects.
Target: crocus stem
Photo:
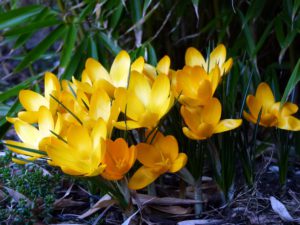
[
  {"x": 198, "y": 197},
  {"x": 151, "y": 189}
]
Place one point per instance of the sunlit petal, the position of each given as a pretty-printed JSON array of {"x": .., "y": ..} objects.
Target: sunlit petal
[
  {"x": 265, "y": 95},
  {"x": 289, "y": 123},
  {"x": 95, "y": 70},
  {"x": 31, "y": 100},
  {"x": 211, "y": 113},
  {"x": 163, "y": 65},
  {"x": 217, "y": 56},
  {"x": 227, "y": 124},
  {"x": 45, "y": 121},
  {"x": 29, "y": 116},
  {"x": 138, "y": 65},
  {"x": 178, "y": 163},
  {"x": 194, "y": 58},
  {"x": 119, "y": 71},
  {"x": 51, "y": 84},
  {"x": 142, "y": 177},
  {"x": 27, "y": 133}
]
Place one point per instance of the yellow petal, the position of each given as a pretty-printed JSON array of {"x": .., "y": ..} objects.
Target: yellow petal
[
  {"x": 228, "y": 124},
  {"x": 226, "y": 66},
  {"x": 249, "y": 117},
  {"x": 217, "y": 57},
  {"x": 191, "y": 135},
  {"x": 100, "y": 105},
  {"x": 211, "y": 113},
  {"x": 254, "y": 105},
  {"x": 204, "y": 92},
  {"x": 163, "y": 65},
  {"x": 119, "y": 71},
  {"x": 214, "y": 76},
  {"x": 99, "y": 132},
  {"x": 194, "y": 58},
  {"x": 150, "y": 72},
  {"x": 288, "y": 109},
  {"x": 106, "y": 86},
  {"x": 45, "y": 121},
  {"x": 140, "y": 86},
  {"x": 192, "y": 116},
  {"x": 142, "y": 177},
  {"x": 148, "y": 155},
  {"x": 205, "y": 130},
  {"x": 129, "y": 125},
  {"x": 95, "y": 70},
  {"x": 27, "y": 133},
  {"x": 265, "y": 95},
  {"x": 179, "y": 163},
  {"x": 138, "y": 65},
  {"x": 51, "y": 84},
  {"x": 134, "y": 107},
  {"x": 159, "y": 93},
  {"x": 168, "y": 147},
  {"x": 78, "y": 137},
  {"x": 289, "y": 123},
  {"x": 29, "y": 116},
  {"x": 32, "y": 101},
  {"x": 23, "y": 145}
]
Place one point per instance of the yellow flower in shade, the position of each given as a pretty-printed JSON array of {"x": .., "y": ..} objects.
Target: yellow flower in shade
[
  {"x": 31, "y": 136},
  {"x": 203, "y": 122},
  {"x": 194, "y": 86},
  {"x": 81, "y": 154},
  {"x": 160, "y": 157},
  {"x": 96, "y": 75},
  {"x": 118, "y": 159},
  {"x": 32, "y": 101},
  {"x": 216, "y": 58},
  {"x": 271, "y": 115},
  {"x": 143, "y": 104},
  {"x": 151, "y": 72}
]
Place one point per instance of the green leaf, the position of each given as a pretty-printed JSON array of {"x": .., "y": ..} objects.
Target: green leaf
[
  {"x": 279, "y": 32},
  {"x": 152, "y": 59},
  {"x": 31, "y": 150},
  {"x": 69, "y": 44},
  {"x": 136, "y": 10},
  {"x": 294, "y": 79},
  {"x": 88, "y": 9},
  {"x": 92, "y": 48},
  {"x": 116, "y": 16},
  {"x": 78, "y": 55},
  {"x": 14, "y": 91},
  {"x": 41, "y": 48},
  {"x": 263, "y": 38},
  {"x": 110, "y": 45},
  {"x": 29, "y": 28},
  {"x": 196, "y": 6},
  {"x": 18, "y": 16}
]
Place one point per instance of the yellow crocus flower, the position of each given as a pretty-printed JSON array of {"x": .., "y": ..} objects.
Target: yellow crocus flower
[
  {"x": 160, "y": 157},
  {"x": 96, "y": 75},
  {"x": 194, "y": 86},
  {"x": 203, "y": 122},
  {"x": 118, "y": 159},
  {"x": 32, "y": 136},
  {"x": 216, "y": 58},
  {"x": 144, "y": 104},
  {"x": 32, "y": 101},
  {"x": 81, "y": 153},
  {"x": 271, "y": 115}
]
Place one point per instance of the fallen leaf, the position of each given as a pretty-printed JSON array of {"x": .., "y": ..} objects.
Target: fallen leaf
[
  {"x": 280, "y": 209},
  {"x": 17, "y": 196},
  {"x": 175, "y": 210},
  {"x": 152, "y": 200},
  {"x": 65, "y": 203},
  {"x": 200, "y": 222},
  {"x": 105, "y": 201},
  {"x": 126, "y": 222}
]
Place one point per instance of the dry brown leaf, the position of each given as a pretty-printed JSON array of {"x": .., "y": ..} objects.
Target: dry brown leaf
[
  {"x": 105, "y": 201},
  {"x": 175, "y": 210},
  {"x": 17, "y": 196},
  {"x": 65, "y": 203},
  {"x": 152, "y": 200},
  {"x": 200, "y": 222}
]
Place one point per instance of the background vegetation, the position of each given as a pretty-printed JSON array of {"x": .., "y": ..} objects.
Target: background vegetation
[{"x": 262, "y": 37}]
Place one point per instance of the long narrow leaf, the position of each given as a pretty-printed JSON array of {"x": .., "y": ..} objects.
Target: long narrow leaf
[
  {"x": 69, "y": 44},
  {"x": 41, "y": 48},
  {"x": 18, "y": 16},
  {"x": 294, "y": 79}
]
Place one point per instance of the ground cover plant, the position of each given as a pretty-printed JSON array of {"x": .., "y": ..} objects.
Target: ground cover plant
[{"x": 138, "y": 112}]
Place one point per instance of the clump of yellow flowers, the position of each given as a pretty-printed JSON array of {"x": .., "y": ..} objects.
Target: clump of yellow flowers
[{"x": 72, "y": 125}]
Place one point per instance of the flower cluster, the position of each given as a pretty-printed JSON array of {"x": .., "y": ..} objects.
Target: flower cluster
[
  {"x": 72, "y": 124},
  {"x": 195, "y": 86}
]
